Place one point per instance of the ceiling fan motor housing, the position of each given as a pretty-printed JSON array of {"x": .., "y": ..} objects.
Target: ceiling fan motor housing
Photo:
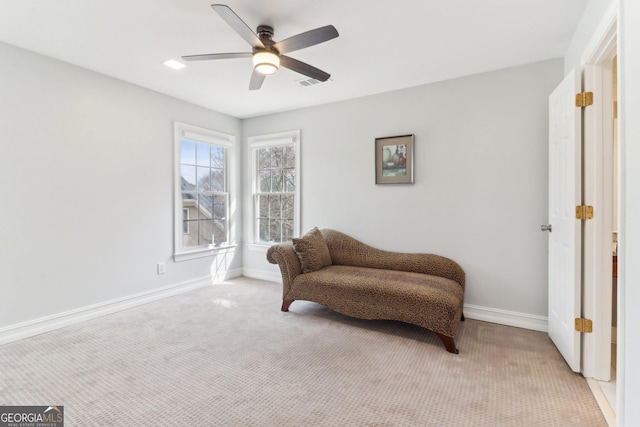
[{"x": 265, "y": 32}]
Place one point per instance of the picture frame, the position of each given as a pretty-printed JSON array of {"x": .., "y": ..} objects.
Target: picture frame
[{"x": 394, "y": 159}]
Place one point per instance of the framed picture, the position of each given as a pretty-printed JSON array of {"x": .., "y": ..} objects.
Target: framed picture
[{"x": 394, "y": 160}]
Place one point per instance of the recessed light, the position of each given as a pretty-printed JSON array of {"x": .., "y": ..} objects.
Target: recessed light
[{"x": 172, "y": 63}]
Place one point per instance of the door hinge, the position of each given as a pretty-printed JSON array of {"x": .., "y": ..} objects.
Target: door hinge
[
  {"x": 584, "y": 99},
  {"x": 584, "y": 325},
  {"x": 584, "y": 212}
]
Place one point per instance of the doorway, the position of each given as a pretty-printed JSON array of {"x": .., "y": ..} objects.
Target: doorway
[
  {"x": 608, "y": 388},
  {"x": 602, "y": 187}
]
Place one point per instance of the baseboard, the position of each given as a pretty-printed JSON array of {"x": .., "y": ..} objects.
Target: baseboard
[
  {"x": 82, "y": 314},
  {"x": 261, "y": 275},
  {"x": 508, "y": 318},
  {"x": 608, "y": 411}
]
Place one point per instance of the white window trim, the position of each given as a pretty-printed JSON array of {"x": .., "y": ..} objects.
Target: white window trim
[
  {"x": 269, "y": 140},
  {"x": 183, "y": 130}
]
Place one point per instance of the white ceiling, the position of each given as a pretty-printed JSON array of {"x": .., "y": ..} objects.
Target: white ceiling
[{"x": 383, "y": 45}]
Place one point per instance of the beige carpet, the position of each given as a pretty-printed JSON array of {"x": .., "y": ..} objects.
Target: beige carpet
[{"x": 226, "y": 356}]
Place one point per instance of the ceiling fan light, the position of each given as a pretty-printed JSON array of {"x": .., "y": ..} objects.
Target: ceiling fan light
[{"x": 266, "y": 62}]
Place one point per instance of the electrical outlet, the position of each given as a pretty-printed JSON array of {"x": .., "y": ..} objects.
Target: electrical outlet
[{"x": 161, "y": 268}]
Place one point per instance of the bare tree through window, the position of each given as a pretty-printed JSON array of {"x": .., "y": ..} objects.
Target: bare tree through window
[{"x": 275, "y": 195}]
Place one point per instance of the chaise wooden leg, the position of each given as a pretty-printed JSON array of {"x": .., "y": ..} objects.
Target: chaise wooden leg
[
  {"x": 285, "y": 304},
  {"x": 462, "y": 317},
  {"x": 448, "y": 343}
]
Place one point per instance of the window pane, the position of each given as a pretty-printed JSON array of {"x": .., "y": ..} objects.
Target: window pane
[
  {"x": 205, "y": 231},
  {"x": 289, "y": 180},
  {"x": 190, "y": 204},
  {"x": 275, "y": 228},
  {"x": 287, "y": 230},
  {"x": 188, "y": 174},
  {"x": 203, "y": 183},
  {"x": 203, "y": 154},
  {"x": 219, "y": 231},
  {"x": 264, "y": 181},
  {"x": 187, "y": 152},
  {"x": 263, "y": 224},
  {"x": 217, "y": 157},
  {"x": 190, "y": 238},
  {"x": 263, "y": 206},
  {"x": 276, "y": 180},
  {"x": 219, "y": 207},
  {"x": 217, "y": 180},
  {"x": 287, "y": 207},
  {"x": 185, "y": 218},
  {"x": 274, "y": 207},
  {"x": 264, "y": 159},
  {"x": 277, "y": 158},
  {"x": 190, "y": 226},
  {"x": 206, "y": 206},
  {"x": 289, "y": 157}
]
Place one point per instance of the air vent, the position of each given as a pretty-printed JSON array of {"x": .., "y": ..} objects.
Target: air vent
[{"x": 309, "y": 82}]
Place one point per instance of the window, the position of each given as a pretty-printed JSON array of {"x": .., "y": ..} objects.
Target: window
[
  {"x": 185, "y": 221},
  {"x": 276, "y": 197},
  {"x": 202, "y": 202}
]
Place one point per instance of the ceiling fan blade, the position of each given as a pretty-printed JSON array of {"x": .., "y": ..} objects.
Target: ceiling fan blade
[
  {"x": 307, "y": 39},
  {"x": 217, "y": 56},
  {"x": 238, "y": 25},
  {"x": 256, "y": 80},
  {"x": 303, "y": 68}
]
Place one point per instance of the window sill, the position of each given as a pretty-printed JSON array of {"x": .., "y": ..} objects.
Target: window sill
[
  {"x": 261, "y": 247},
  {"x": 202, "y": 253}
]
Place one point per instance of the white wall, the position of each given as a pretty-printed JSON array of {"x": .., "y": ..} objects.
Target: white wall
[
  {"x": 480, "y": 191},
  {"x": 86, "y": 186},
  {"x": 629, "y": 105}
]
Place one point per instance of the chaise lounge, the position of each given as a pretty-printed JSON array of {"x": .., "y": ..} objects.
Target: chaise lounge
[{"x": 352, "y": 278}]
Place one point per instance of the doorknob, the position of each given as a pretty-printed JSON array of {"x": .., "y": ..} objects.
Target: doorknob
[{"x": 546, "y": 228}]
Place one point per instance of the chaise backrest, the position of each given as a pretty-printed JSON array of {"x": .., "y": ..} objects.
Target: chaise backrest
[{"x": 346, "y": 250}]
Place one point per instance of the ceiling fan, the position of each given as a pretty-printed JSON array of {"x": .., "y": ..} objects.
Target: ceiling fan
[{"x": 268, "y": 55}]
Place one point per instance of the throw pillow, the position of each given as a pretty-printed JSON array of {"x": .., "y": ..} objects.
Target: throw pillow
[{"x": 312, "y": 251}]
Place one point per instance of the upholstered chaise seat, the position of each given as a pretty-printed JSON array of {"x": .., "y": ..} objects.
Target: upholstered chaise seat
[{"x": 368, "y": 283}]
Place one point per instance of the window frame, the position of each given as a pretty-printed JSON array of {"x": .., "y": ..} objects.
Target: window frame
[
  {"x": 202, "y": 135},
  {"x": 266, "y": 141}
]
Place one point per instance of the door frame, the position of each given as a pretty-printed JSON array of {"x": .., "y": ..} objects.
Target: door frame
[{"x": 598, "y": 192}]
